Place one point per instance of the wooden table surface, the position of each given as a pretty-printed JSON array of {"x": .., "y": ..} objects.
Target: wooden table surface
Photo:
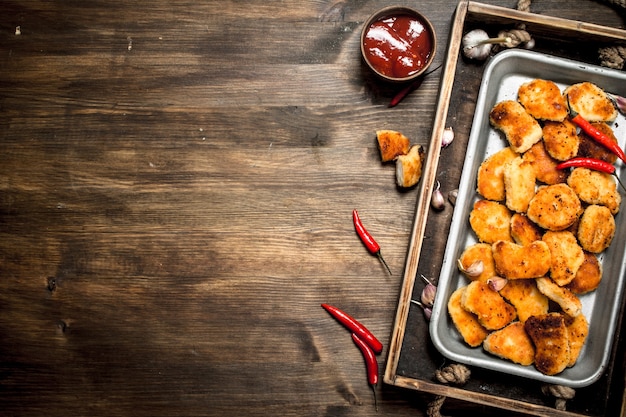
[{"x": 176, "y": 189}]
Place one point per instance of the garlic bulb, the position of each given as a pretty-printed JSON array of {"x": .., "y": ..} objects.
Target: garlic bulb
[{"x": 477, "y": 44}]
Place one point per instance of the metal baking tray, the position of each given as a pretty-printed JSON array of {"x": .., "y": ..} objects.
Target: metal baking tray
[{"x": 502, "y": 77}]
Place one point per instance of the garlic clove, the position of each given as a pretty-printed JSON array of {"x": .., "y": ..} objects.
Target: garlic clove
[
  {"x": 428, "y": 295},
  {"x": 452, "y": 195},
  {"x": 497, "y": 283},
  {"x": 472, "y": 271},
  {"x": 619, "y": 102},
  {"x": 447, "y": 137},
  {"x": 437, "y": 201}
]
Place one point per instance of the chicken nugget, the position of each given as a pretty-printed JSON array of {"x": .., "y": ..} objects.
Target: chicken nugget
[
  {"x": 550, "y": 337},
  {"x": 479, "y": 252},
  {"x": 519, "y": 184},
  {"x": 561, "y": 140},
  {"x": 544, "y": 165},
  {"x": 554, "y": 207},
  {"x": 392, "y": 144},
  {"x": 566, "y": 256},
  {"x": 514, "y": 261},
  {"x": 491, "y": 310},
  {"x": 491, "y": 221},
  {"x": 591, "y": 102},
  {"x": 521, "y": 129},
  {"x": 588, "y": 276},
  {"x": 512, "y": 343},
  {"x": 596, "y": 229},
  {"x": 523, "y": 230},
  {"x": 525, "y": 297},
  {"x": 490, "y": 181},
  {"x": 577, "y": 331},
  {"x": 570, "y": 304},
  {"x": 594, "y": 187},
  {"x": 590, "y": 148},
  {"x": 465, "y": 322},
  {"x": 543, "y": 100},
  {"x": 409, "y": 167}
]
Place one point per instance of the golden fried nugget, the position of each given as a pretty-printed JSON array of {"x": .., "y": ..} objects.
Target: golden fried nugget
[
  {"x": 595, "y": 187},
  {"x": 577, "y": 331},
  {"x": 588, "y": 276},
  {"x": 491, "y": 221},
  {"x": 566, "y": 256},
  {"x": 554, "y": 207},
  {"x": 561, "y": 140},
  {"x": 550, "y": 337},
  {"x": 589, "y": 148},
  {"x": 491, "y": 310},
  {"x": 591, "y": 102},
  {"x": 543, "y": 100},
  {"x": 409, "y": 167},
  {"x": 570, "y": 304},
  {"x": 596, "y": 229},
  {"x": 521, "y": 129},
  {"x": 490, "y": 182},
  {"x": 392, "y": 144},
  {"x": 519, "y": 184},
  {"x": 514, "y": 261},
  {"x": 525, "y": 297},
  {"x": 544, "y": 165},
  {"x": 465, "y": 322},
  {"x": 523, "y": 230},
  {"x": 479, "y": 252},
  {"x": 512, "y": 343}
]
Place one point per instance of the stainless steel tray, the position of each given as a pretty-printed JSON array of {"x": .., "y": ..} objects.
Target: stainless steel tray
[{"x": 502, "y": 77}]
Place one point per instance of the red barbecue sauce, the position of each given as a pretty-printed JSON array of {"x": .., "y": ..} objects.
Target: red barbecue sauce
[{"x": 397, "y": 46}]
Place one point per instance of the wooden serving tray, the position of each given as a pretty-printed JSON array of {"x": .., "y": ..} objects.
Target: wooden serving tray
[{"x": 413, "y": 360}]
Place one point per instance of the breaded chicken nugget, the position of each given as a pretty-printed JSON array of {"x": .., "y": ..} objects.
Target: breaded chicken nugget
[
  {"x": 588, "y": 276},
  {"x": 479, "y": 252},
  {"x": 524, "y": 231},
  {"x": 491, "y": 221},
  {"x": 589, "y": 148},
  {"x": 595, "y": 187},
  {"x": 554, "y": 207},
  {"x": 521, "y": 129},
  {"x": 519, "y": 184},
  {"x": 591, "y": 102},
  {"x": 577, "y": 331},
  {"x": 543, "y": 100},
  {"x": 570, "y": 304},
  {"x": 490, "y": 182},
  {"x": 549, "y": 335},
  {"x": 544, "y": 165},
  {"x": 491, "y": 310},
  {"x": 392, "y": 144},
  {"x": 514, "y": 261},
  {"x": 465, "y": 322},
  {"x": 512, "y": 343},
  {"x": 525, "y": 297},
  {"x": 561, "y": 140},
  {"x": 566, "y": 256},
  {"x": 409, "y": 167},
  {"x": 596, "y": 229}
]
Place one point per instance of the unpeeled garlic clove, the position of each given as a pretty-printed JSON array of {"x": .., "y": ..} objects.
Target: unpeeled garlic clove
[
  {"x": 452, "y": 195},
  {"x": 497, "y": 283},
  {"x": 437, "y": 201},
  {"x": 428, "y": 295},
  {"x": 447, "y": 137},
  {"x": 472, "y": 271}
]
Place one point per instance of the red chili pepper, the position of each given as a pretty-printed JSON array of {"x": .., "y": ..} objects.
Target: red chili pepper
[
  {"x": 370, "y": 362},
  {"x": 596, "y": 134},
  {"x": 355, "y": 327},
  {"x": 590, "y": 163},
  {"x": 367, "y": 239}
]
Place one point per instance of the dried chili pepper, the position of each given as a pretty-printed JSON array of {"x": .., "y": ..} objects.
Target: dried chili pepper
[
  {"x": 370, "y": 362},
  {"x": 367, "y": 239},
  {"x": 596, "y": 134},
  {"x": 355, "y": 327},
  {"x": 591, "y": 163}
]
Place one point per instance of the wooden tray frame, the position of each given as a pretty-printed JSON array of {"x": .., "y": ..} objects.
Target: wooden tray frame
[{"x": 549, "y": 27}]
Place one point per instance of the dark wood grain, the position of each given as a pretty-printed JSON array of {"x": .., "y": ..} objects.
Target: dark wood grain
[{"x": 176, "y": 186}]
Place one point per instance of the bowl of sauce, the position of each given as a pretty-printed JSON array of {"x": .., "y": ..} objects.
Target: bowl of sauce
[{"x": 398, "y": 43}]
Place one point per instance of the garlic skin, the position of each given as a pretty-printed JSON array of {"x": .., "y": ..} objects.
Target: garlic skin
[
  {"x": 497, "y": 283},
  {"x": 437, "y": 201},
  {"x": 475, "y": 45},
  {"x": 472, "y": 271},
  {"x": 447, "y": 137}
]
